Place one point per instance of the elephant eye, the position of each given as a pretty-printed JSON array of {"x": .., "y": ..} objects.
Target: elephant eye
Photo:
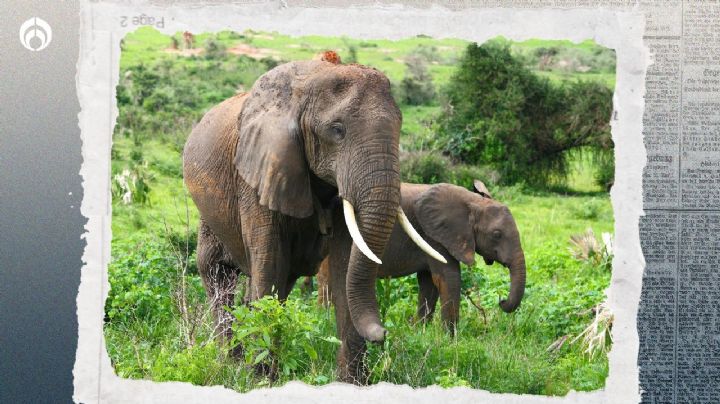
[
  {"x": 497, "y": 235},
  {"x": 338, "y": 130}
]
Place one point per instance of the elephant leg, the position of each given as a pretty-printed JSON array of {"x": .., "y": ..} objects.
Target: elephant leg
[
  {"x": 269, "y": 255},
  {"x": 323, "y": 284},
  {"x": 447, "y": 280},
  {"x": 269, "y": 259},
  {"x": 351, "y": 355},
  {"x": 219, "y": 278},
  {"x": 292, "y": 279},
  {"x": 427, "y": 296},
  {"x": 306, "y": 287}
]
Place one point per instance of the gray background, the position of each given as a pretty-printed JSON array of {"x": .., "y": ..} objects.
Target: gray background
[{"x": 40, "y": 194}]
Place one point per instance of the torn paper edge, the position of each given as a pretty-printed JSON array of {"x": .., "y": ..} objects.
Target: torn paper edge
[{"x": 98, "y": 75}]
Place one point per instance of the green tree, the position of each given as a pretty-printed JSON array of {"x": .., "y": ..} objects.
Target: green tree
[{"x": 498, "y": 112}]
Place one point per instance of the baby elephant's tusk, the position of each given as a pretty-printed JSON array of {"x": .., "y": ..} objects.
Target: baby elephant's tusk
[
  {"x": 355, "y": 232},
  {"x": 410, "y": 230}
]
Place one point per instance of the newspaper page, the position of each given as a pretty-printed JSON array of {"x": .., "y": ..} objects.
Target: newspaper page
[{"x": 678, "y": 323}]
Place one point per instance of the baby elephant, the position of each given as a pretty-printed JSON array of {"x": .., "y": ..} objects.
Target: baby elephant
[{"x": 458, "y": 223}]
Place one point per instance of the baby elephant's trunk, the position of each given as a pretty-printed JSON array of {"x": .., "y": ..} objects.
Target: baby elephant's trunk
[{"x": 517, "y": 284}]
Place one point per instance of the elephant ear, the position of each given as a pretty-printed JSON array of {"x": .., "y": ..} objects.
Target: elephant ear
[
  {"x": 481, "y": 189},
  {"x": 445, "y": 216},
  {"x": 270, "y": 154}
]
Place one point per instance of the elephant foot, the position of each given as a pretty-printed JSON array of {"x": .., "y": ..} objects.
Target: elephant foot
[
  {"x": 358, "y": 377},
  {"x": 351, "y": 365}
]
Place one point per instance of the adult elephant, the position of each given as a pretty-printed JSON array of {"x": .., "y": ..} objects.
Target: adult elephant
[
  {"x": 263, "y": 167},
  {"x": 459, "y": 224}
]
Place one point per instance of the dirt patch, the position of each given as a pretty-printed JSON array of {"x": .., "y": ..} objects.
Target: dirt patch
[
  {"x": 185, "y": 52},
  {"x": 255, "y": 53},
  {"x": 240, "y": 49}
]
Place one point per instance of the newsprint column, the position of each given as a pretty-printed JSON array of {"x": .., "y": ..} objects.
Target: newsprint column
[{"x": 679, "y": 315}]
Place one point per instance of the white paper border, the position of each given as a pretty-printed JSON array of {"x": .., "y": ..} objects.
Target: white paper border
[{"x": 98, "y": 71}]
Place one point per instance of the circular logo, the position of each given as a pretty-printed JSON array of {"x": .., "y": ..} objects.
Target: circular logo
[{"x": 35, "y": 34}]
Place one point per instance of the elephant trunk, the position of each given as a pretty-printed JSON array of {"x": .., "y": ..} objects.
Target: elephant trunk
[
  {"x": 517, "y": 284},
  {"x": 375, "y": 195}
]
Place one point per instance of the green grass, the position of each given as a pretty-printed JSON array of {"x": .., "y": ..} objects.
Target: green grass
[
  {"x": 506, "y": 354},
  {"x": 149, "y": 337}
]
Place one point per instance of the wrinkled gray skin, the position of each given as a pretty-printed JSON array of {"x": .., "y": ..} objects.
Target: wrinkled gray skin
[
  {"x": 263, "y": 167},
  {"x": 456, "y": 222}
]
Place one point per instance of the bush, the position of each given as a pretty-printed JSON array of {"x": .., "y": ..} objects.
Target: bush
[
  {"x": 416, "y": 88},
  {"x": 269, "y": 329},
  {"x": 498, "y": 112},
  {"x": 195, "y": 364},
  {"x": 351, "y": 56},
  {"x": 605, "y": 174},
  {"x": 424, "y": 168},
  {"x": 464, "y": 175},
  {"x": 589, "y": 210},
  {"x": 427, "y": 53},
  {"x": 432, "y": 167},
  {"x": 131, "y": 185},
  {"x": 449, "y": 379},
  {"x": 140, "y": 282},
  {"x": 214, "y": 49}
]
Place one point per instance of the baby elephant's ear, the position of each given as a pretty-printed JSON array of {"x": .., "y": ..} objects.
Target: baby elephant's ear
[
  {"x": 445, "y": 217},
  {"x": 481, "y": 189},
  {"x": 270, "y": 154}
]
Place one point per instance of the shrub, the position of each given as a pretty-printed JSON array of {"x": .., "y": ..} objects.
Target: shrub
[
  {"x": 269, "y": 329},
  {"x": 498, "y": 112},
  {"x": 427, "y": 53},
  {"x": 195, "y": 364},
  {"x": 605, "y": 171},
  {"x": 596, "y": 337},
  {"x": 450, "y": 379},
  {"x": 589, "y": 210},
  {"x": 159, "y": 99},
  {"x": 416, "y": 88},
  {"x": 140, "y": 282},
  {"x": 131, "y": 185},
  {"x": 464, "y": 175},
  {"x": 351, "y": 56},
  {"x": 214, "y": 49},
  {"x": 424, "y": 168},
  {"x": 364, "y": 44},
  {"x": 427, "y": 167}
]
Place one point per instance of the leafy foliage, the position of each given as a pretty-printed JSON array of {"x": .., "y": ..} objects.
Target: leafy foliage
[
  {"x": 432, "y": 167},
  {"x": 280, "y": 336},
  {"x": 131, "y": 185},
  {"x": 141, "y": 282},
  {"x": 214, "y": 49},
  {"x": 498, "y": 112},
  {"x": 416, "y": 88}
]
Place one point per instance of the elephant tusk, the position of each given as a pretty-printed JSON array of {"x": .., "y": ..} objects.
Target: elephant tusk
[
  {"x": 416, "y": 238},
  {"x": 355, "y": 232}
]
